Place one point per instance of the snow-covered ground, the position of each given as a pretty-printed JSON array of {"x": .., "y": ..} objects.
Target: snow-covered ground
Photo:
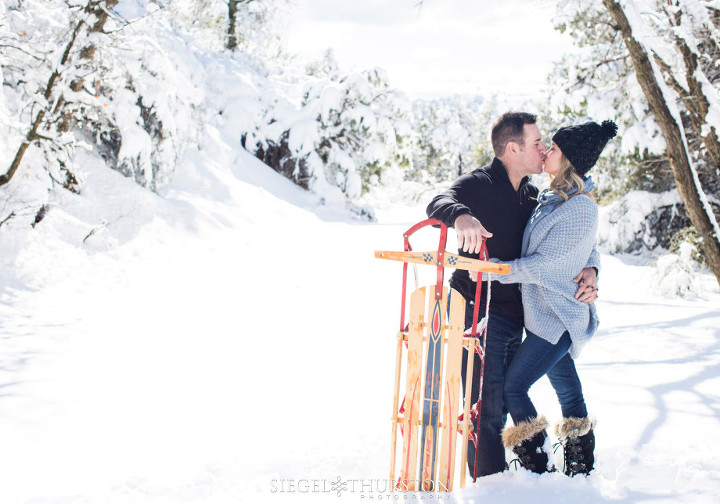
[{"x": 233, "y": 341}]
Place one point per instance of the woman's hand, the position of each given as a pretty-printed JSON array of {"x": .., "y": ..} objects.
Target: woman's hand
[{"x": 587, "y": 286}]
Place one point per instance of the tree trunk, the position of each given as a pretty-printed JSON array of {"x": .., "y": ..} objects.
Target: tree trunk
[
  {"x": 232, "y": 14},
  {"x": 687, "y": 183},
  {"x": 232, "y": 39}
]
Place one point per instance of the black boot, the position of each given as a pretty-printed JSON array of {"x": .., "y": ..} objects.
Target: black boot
[
  {"x": 578, "y": 440},
  {"x": 526, "y": 440}
]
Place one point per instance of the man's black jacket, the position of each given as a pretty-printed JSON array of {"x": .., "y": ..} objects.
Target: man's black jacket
[{"x": 488, "y": 195}]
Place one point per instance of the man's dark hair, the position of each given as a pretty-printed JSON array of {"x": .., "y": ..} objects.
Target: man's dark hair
[{"x": 509, "y": 128}]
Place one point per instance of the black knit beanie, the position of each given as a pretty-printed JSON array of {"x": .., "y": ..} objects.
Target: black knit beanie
[{"x": 583, "y": 143}]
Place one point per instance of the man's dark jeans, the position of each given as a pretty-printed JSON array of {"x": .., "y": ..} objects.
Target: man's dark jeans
[{"x": 503, "y": 339}]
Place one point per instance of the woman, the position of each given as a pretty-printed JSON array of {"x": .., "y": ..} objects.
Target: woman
[{"x": 557, "y": 243}]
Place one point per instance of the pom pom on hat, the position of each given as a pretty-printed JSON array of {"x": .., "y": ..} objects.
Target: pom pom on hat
[
  {"x": 610, "y": 129},
  {"x": 583, "y": 143}
]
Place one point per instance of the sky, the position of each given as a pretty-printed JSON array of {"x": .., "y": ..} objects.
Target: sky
[{"x": 443, "y": 47}]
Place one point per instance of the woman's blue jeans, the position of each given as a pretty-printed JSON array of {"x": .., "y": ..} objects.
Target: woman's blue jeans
[{"x": 534, "y": 358}]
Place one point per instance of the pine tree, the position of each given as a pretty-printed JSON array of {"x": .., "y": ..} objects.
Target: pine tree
[{"x": 348, "y": 129}]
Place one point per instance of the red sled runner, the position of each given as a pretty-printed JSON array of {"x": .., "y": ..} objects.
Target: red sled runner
[{"x": 429, "y": 415}]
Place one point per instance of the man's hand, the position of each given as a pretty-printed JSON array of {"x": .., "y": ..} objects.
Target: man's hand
[
  {"x": 470, "y": 233},
  {"x": 587, "y": 285}
]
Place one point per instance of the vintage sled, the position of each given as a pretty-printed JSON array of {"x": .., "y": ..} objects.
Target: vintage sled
[{"x": 430, "y": 415}]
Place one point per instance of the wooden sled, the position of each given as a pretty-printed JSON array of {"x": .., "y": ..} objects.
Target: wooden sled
[{"x": 430, "y": 414}]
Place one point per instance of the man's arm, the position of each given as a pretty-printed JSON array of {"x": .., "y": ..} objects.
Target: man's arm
[
  {"x": 450, "y": 204},
  {"x": 451, "y": 208}
]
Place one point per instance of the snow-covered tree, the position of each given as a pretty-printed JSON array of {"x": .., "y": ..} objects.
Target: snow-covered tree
[
  {"x": 653, "y": 67},
  {"x": 598, "y": 80},
  {"x": 63, "y": 72},
  {"x": 250, "y": 26},
  {"x": 452, "y": 137},
  {"x": 346, "y": 130},
  {"x": 98, "y": 80},
  {"x": 670, "y": 50}
]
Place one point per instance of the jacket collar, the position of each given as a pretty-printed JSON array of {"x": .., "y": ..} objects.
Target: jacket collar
[{"x": 498, "y": 169}]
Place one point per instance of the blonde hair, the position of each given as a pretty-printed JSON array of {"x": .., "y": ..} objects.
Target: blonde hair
[{"x": 566, "y": 179}]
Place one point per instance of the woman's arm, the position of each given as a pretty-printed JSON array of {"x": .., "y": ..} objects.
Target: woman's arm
[{"x": 560, "y": 247}]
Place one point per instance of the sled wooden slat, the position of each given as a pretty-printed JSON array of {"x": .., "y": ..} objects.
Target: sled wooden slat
[
  {"x": 432, "y": 390},
  {"x": 451, "y": 391},
  {"x": 449, "y": 261},
  {"x": 413, "y": 389},
  {"x": 433, "y": 398}
]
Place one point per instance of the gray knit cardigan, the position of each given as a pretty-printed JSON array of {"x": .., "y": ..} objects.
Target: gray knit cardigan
[{"x": 559, "y": 242}]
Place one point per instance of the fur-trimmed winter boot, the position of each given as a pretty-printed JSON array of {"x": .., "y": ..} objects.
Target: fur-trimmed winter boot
[
  {"x": 526, "y": 440},
  {"x": 578, "y": 440}
]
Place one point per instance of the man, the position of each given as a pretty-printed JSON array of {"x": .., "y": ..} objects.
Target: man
[{"x": 496, "y": 202}]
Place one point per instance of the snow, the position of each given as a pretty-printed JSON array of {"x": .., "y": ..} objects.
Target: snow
[
  {"x": 233, "y": 341},
  {"x": 622, "y": 220}
]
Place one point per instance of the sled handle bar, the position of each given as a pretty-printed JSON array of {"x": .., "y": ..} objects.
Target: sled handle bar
[{"x": 440, "y": 262}]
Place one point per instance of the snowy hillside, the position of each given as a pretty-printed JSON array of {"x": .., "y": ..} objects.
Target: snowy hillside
[{"x": 234, "y": 342}]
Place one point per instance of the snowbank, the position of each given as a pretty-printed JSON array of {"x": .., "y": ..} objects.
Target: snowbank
[{"x": 624, "y": 225}]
